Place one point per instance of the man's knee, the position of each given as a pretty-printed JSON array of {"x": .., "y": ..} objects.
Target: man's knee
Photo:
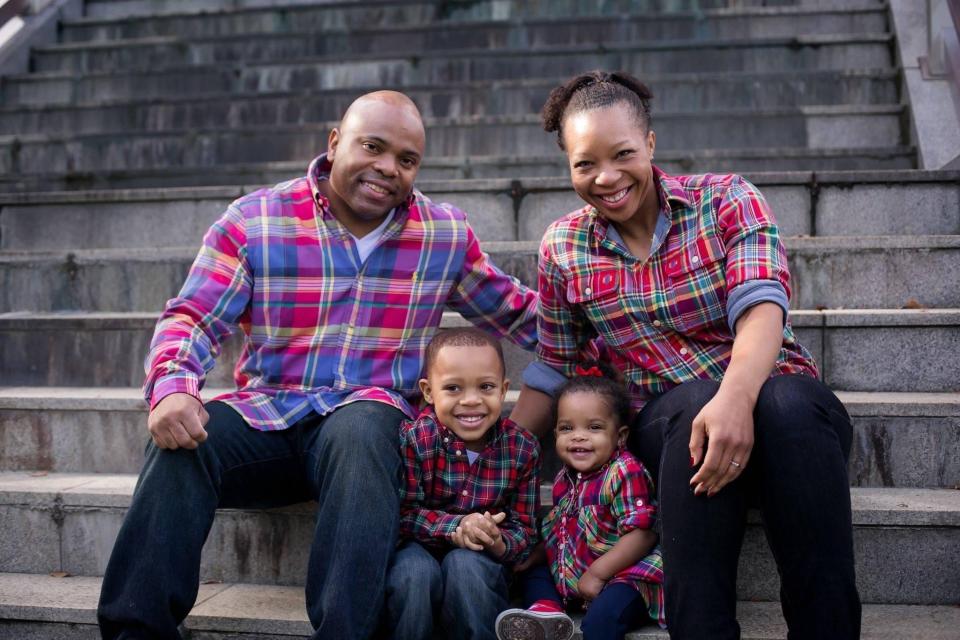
[{"x": 361, "y": 428}]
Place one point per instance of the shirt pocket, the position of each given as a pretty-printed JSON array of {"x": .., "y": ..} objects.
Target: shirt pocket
[
  {"x": 695, "y": 279},
  {"x": 599, "y": 528},
  {"x": 597, "y": 294}
]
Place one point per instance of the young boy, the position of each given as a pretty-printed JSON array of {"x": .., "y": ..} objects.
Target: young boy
[{"x": 469, "y": 498}]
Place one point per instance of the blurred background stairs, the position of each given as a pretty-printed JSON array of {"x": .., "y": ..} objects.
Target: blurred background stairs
[{"x": 127, "y": 126}]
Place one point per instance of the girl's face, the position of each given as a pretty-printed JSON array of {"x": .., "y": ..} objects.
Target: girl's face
[
  {"x": 610, "y": 156},
  {"x": 587, "y": 432}
]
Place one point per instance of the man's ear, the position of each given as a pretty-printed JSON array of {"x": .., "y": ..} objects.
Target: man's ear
[
  {"x": 425, "y": 390},
  {"x": 332, "y": 141}
]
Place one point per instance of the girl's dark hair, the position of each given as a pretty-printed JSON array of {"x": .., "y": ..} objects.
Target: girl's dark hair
[
  {"x": 595, "y": 90},
  {"x": 608, "y": 386}
]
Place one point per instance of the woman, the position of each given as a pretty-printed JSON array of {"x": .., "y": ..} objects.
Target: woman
[{"x": 684, "y": 280}]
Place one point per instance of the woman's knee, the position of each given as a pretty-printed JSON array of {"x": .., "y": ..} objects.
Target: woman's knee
[{"x": 798, "y": 406}]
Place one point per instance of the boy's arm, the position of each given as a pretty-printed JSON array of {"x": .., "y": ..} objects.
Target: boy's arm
[
  {"x": 518, "y": 531},
  {"x": 429, "y": 526}
]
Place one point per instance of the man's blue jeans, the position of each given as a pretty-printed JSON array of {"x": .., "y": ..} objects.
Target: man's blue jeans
[
  {"x": 347, "y": 461},
  {"x": 467, "y": 588}
]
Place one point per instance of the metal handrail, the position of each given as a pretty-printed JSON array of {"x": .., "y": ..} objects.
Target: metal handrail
[{"x": 11, "y": 9}]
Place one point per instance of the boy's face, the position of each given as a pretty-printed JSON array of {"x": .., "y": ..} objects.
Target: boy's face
[
  {"x": 587, "y": 433},
  {"x": 466, "y": 387}
]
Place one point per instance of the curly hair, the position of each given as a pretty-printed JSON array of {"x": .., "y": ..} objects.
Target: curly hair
[
  {"x": 608, "y": 386},
  {"x": 595, "y": 90}
]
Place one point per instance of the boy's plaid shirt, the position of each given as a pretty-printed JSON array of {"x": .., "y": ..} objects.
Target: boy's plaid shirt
[
  {"x": 440, "y": 485},
  {"x": 589, "y": 516},
  {"x": 321, "y": 328},
  {"x": 663, "y": 320}
]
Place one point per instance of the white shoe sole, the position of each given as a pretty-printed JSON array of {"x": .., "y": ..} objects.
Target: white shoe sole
[{"x": 520, "y": 624}]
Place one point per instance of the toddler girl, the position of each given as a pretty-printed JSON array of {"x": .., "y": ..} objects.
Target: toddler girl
[{"x": 599, "y": 543}]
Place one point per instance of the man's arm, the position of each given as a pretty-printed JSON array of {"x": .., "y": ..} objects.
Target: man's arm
[{"x": 188, "y": 335}]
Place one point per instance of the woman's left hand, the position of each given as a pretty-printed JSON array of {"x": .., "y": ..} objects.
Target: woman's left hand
[{"x": 725, "y": 425}]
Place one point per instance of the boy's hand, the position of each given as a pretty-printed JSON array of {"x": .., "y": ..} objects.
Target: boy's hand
[
  {"x": 590, "y": 585},
  {"x": 479, "y": 531}
]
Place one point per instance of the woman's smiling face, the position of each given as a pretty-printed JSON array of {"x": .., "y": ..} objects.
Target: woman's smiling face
[{"x": 610, "y": 152}]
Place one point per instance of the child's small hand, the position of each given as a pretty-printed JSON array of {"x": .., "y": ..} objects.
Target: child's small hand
[
  {"x": 590, "y": 585},
  {"x": 479, "y": 531},
  {"x": 538, "y": 555}
]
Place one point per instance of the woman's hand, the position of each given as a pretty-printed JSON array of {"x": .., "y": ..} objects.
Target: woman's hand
[{"x": 725, "y": 425}]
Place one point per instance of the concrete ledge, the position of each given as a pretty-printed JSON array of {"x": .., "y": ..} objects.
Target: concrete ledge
[
  {"x": 42, "y": 601},
  {"x": 75, "y": 518}
]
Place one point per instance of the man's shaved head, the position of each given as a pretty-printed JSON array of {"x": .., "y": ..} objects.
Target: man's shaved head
[{"x": 375, "y": 155}]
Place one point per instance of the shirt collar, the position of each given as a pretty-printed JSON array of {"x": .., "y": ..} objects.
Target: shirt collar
[
  {"x": 670, "y": 195},
  {"x": 452, "y": 442},
  {"x": 320, "y": 170}
]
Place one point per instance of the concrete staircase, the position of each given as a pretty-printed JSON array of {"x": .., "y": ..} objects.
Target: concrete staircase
[{"x": 131, "y": 134}]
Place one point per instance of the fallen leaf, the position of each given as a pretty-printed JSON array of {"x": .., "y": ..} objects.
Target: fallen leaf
[
  {"x": 913, "y": 304},
  {"x": 59, "y": 574},
  {"x": 821, "y": 307},
  {"x": 210, "y": 582}
]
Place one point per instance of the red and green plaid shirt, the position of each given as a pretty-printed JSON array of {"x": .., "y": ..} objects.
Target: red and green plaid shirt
[
  {"x": 667, "y": 319},
  {"x": 321, "y": 327},
  {"x": 590, "y": 514},
  {"x": 441, "y": 486}
]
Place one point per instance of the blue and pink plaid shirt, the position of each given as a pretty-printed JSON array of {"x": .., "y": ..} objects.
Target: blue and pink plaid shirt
[{"x": 321, "y": 328}]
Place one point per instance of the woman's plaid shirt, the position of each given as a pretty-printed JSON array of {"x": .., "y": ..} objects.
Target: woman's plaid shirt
[
  {"x": 663, "y": 320},
  {"x": 321, "y": 328},
  {"x": 590, "y": 514},
  {"x": 441, "y": 486}
]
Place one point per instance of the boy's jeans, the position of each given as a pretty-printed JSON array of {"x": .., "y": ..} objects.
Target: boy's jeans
[
  {"x": 348, "y": 461},
  {"x": 467, "y": 588}
]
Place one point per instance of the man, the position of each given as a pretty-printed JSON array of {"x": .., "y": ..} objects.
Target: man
[{"x": 338, "y": 281}]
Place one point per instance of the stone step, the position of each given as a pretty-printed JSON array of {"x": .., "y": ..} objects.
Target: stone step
[
  {"x": 747, "y": 160},
  {"x": 40, "y": 607},
  {"x": 857, "y": 350},
  {"x": 825, "y": 127},
  {"x": 68, "y": 522},
  {"x": 468, "y": 65},
  {"x": 820, "y": 204},
  {"x": 382, "y": 11},
  {"x": 841, "y": 272},
  {"x": 674, "y": 93},
  {"x": 182, "y": 49},
  {"x": 900, "y": 439}
]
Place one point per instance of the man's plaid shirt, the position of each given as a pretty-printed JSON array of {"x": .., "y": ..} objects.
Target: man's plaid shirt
[{"x": 440, "y": 485}]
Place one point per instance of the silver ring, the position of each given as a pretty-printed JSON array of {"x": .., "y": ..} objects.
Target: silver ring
[{"x": 735, "y": 463}]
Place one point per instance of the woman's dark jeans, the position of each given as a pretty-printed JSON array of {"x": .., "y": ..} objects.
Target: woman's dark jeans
[
  {"x": 796, "y": 475},
  {"x": 347, "y": 460}
]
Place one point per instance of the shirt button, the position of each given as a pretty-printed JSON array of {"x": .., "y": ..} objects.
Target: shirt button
[
  {"x": 657, "y": 323},
  {"x": 446, "y": 439},
  {"x": 464, "y": 493},
  {"x": 683, "y": 351},
  {"x": 588, "y": 291},
  {"x": 695, "y": 259},
  {"x": 459, "y": 453},
  {"x": 639, "y": 503}
]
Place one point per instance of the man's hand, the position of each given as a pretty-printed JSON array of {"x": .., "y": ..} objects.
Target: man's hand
[
  {"x": 726, "y": 423},
  {"x": 479, "y": 532},
  {"x": 177, "y": 421},
  {"x": 590, "y": 585}
]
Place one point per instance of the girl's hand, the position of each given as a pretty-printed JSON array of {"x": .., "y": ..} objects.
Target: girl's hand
[
  {"x": 726, "y": 424},
  {"x": 590, "y": 586},
  {"x": 537, "y": 556}
]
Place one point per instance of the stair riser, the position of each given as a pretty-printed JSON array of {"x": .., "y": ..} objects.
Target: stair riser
[
  {"x": 887, "y": 451},
  {"x": 931, "y": 208},
  {"x": 160, "y": 150},
  {"x": 440, "y": 70},
  {"x": 265, "y": 48},
  {"x": 383, "y": 14},
  {"x": 272, "y": 548},
  {"x": 850, "y": 358},
  {"x": 671, "y": 96},
  {"x": 316, "y": 19}
]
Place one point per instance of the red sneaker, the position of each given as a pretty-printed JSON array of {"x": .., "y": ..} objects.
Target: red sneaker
[{"x": 523, "y": 624}]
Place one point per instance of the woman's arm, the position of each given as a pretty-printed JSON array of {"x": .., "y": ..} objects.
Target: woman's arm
[{"x": 725, "y": 424}]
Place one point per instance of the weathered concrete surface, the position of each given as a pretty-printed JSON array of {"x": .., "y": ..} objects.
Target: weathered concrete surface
[
  {"x": 900, "y": 440},
  {"x": 271, "y": 546},
  {"x": 674, "y": 93}
]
